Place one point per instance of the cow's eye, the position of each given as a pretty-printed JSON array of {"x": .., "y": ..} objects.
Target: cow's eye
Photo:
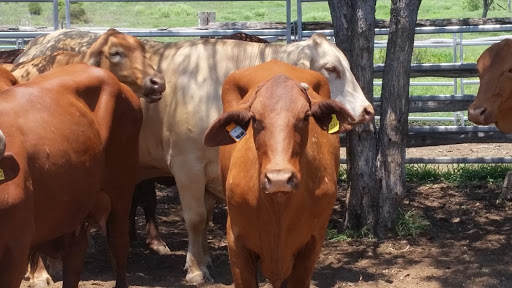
[
  {"x": 257, "y": 125},
  {"x": 114, "y": 55},
  {"x": 331, "y": 68},
  {"x": 306, "y": 117}
]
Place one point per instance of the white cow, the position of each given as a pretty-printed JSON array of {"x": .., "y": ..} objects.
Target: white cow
[{"x": 172, "y": 132}]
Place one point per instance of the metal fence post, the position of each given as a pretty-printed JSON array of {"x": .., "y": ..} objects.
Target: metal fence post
[
  {"x": 68, "y": 17},
  {"x": 299, "y": 20},
  {"x": 55, "y": 14}
]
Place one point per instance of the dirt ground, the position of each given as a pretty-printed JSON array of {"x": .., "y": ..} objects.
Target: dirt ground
[{"x": 468, "y": 243}]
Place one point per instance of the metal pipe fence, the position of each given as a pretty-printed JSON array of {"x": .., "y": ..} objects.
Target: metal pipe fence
[{"x": 457, "y": 43}]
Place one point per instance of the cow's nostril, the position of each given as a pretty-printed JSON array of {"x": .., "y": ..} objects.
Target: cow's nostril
[
  {"x": 154, "y": 81},
  {"x": 368, "y": 111},
  {"x": 291, "y": 180},
  {"x": 482, "y": 111}
]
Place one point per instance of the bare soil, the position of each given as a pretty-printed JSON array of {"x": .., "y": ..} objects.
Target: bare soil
[{"x": 468, "y": 243}]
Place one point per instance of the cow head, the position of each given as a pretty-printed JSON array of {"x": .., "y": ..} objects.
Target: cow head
[
  {"x": 320, "y": 54},
  {"x": 277, "y": 115},
  {"x": 493, "y": 103},
  {"x": 125, "y": 56}
]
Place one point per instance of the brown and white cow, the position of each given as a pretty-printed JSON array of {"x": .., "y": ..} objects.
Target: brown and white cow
[
  {"x": 171, "y": 139},
  {"x": 493, "y": 102},
  {"x": 280, "y": 178},
  {"x": 120, "y": 53},
  {"x": 71, "y": 139}
]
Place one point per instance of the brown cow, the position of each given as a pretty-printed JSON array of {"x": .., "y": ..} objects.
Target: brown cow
[
  {"x": 6, "y": 80},
  {"x": 493, "y": 102},
  {"x": 77, "y": 141},
  {"x": 123, "y": 55},
  {"x": 280, "y": 178},
  {"x": 120, "y": 53}
]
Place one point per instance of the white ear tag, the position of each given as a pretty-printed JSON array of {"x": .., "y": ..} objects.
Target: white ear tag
[{"x": 236, "y": 132}]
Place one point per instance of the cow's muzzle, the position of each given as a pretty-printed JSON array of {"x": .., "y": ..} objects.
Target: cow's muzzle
[
  {"x": 479, "y": 115},
  {"x": 365, "y": 116},
  {"x": 279, "y": 181},
  {"x": 154, "y": 86}
]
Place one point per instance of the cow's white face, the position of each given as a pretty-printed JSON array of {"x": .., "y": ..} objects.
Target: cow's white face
[{"x": 327, "y": 59}]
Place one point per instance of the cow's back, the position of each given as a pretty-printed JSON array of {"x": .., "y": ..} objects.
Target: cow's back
[{"x": 61, "y": 40}]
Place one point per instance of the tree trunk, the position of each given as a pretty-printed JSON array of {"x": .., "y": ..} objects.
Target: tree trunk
[
  {"x": 394, "y": 111},
  {"x": 354, "y": 22},
  {"x": 486, "y": 4}
]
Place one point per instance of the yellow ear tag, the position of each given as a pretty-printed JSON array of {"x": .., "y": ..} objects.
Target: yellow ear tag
[
  {"x": 334, "y": 126},
  {"x": 2, "y": 176},
  {"x": 236, "y": 132}
]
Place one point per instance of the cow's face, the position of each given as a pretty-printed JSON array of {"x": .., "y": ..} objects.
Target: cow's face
[
  {"x": 277, "y": 115},
  {"x": 323, "y": 56},
  {"x": 125, "y": 57},
  {"x": 493, "y": 103}
]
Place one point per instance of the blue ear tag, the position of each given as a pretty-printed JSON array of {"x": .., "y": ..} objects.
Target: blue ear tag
[
  {"x": 236, "y": 132},
  {"x": 334, "y": 126}
]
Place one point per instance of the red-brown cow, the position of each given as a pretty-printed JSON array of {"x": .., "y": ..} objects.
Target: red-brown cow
[
  {"x": 493, "y": 102},
  {"x": 120, "y": 53},
  {"x": 71, "y": 148},
  {"x": 280, "y": 178},
  {"x": 6, "y": 80}
]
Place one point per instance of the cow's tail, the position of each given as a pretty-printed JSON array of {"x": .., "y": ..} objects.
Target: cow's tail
[{"x": 2, "y": 144}]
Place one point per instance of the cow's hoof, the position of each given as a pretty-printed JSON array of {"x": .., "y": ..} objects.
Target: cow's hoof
[
  {"x": 199, "y": 277},
  {"x": 41, "y": 283},
  {"x": 159, "y": 248}
]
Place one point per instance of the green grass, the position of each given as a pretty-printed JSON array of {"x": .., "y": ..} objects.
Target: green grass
[
  {"x": 410, "y": 224},
  {"x": 457, "y": 173},
  {"x": 453, "y": 173},
  {"x": 184, "y": 14},
  {"x": 334, "y": 235}
]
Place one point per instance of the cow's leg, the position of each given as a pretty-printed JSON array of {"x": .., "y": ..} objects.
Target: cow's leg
[
  {"x": 145, "y": 196},
  {"x": 209, "y": 203},
  {"x": 148, "y": 203},
  {"x": 304, "y": 263},
  {"x": 242, "y": 262},
  {"x": 37, "y": 273},
  {"x": 13, "y": 263},
  {"x": 75, "y": 247},
  {"x": 191, "y": 188},
  {"x": 118, "y": 239},
  {"x": 133, "y": 212},
  {"x": 55, "y": 264}
]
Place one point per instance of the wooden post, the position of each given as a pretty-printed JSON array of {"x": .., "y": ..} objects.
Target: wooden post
[
  {"x": 506, "y": 192},
  {"x": 206, "y": 18}
]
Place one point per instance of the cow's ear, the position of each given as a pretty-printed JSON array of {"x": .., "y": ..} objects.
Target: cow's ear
[
  {"x": 94, "y": 54},
  {"x": 331, "y": 116},
  {"x": 227, "y": 127}
]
